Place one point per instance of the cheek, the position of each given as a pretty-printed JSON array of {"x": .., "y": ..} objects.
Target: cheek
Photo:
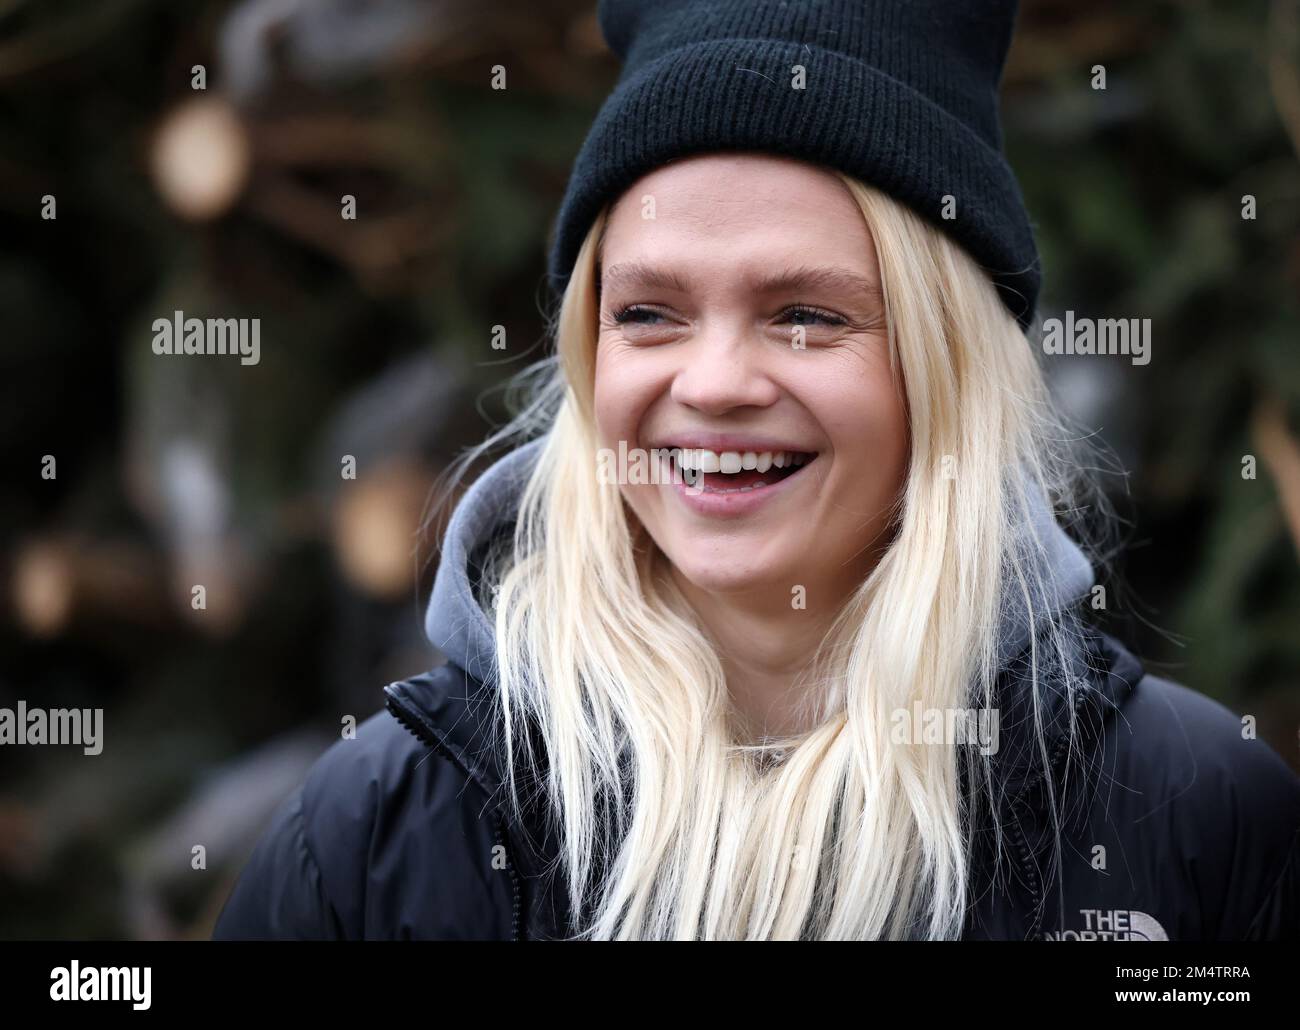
[
  {"x": 866, "y": 420},
  {"x": 627, "y": 382},
  {"x": 624, "y": 390},
  {"x": 885, "y": 418},
  {"x": 616, "y": 387}
]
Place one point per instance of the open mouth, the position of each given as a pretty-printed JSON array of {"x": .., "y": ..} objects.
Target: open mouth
[{"x": 723, "y": 472}]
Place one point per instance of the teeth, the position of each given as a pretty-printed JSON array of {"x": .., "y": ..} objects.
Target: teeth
[{"x": 731, "y": 462}]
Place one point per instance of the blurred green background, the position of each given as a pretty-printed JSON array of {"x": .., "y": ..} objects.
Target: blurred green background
[{"x": 376, "y": 342}]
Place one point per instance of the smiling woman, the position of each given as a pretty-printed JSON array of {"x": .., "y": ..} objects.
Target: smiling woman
[
  {"x": 781, "y": 628},
  {"x": 672, "y": 709}
]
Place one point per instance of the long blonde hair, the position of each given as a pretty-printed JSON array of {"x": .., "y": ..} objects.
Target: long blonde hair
[{"x": 670, "y": 828}]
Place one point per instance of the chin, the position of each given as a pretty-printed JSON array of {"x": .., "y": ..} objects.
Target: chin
[{"x": 717, "y": 575}]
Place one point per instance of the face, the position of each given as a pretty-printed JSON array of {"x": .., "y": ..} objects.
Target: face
[{"x": 742, "y": 328}]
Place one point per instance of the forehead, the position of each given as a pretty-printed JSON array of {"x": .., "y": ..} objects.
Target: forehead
[{"x": 738, "y": 207}]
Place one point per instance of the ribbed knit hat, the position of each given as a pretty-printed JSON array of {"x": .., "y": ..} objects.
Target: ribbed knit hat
[{"x": 901, "y": 94}]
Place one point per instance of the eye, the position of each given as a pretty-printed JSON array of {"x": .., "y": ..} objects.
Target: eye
[
  {"x": 635, "y": 315},
  {"x": 800, "y": 315}
]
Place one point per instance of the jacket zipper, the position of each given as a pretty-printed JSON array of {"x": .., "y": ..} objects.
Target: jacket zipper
[
  {"x": 514, "y": 880},
  {"x": 421, "y": 733},
  {"x": 1035, "y": 889},
  {"x": 1018, "y": 802}
]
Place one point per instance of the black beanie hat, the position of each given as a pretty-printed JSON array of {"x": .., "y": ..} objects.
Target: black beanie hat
[{"x": 901, "y": 94}]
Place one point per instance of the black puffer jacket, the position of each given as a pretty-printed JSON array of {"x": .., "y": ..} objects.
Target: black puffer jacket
[{"x": 1173, "y": 825}]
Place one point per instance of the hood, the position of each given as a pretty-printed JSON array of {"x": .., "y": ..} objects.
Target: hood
[{"x": 455, "y": 622}]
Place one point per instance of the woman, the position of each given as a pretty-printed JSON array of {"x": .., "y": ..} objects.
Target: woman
[{"x": 826, "y": 670}]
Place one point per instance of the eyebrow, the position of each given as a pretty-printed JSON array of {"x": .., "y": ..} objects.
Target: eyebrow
[{"x": 801, "y": 277}]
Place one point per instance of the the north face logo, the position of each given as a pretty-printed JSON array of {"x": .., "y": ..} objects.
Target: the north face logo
[{"x": 1119, "y": 924}]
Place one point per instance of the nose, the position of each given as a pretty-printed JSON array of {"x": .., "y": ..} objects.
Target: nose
[{"x": 722, "y": 369}]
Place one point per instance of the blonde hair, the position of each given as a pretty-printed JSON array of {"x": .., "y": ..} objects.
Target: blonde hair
[{"x": 669, "y": 827}]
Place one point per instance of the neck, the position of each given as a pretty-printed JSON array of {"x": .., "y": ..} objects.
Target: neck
[{"x": 766, "y": 645}]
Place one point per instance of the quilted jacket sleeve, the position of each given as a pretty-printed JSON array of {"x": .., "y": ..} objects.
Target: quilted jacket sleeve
[
  {"x": 384, "y": 840},
  {"x": 1240, "y": 824},
  {"x": 280, "y": 894},
  {"x": 1278, "y": 918}
]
